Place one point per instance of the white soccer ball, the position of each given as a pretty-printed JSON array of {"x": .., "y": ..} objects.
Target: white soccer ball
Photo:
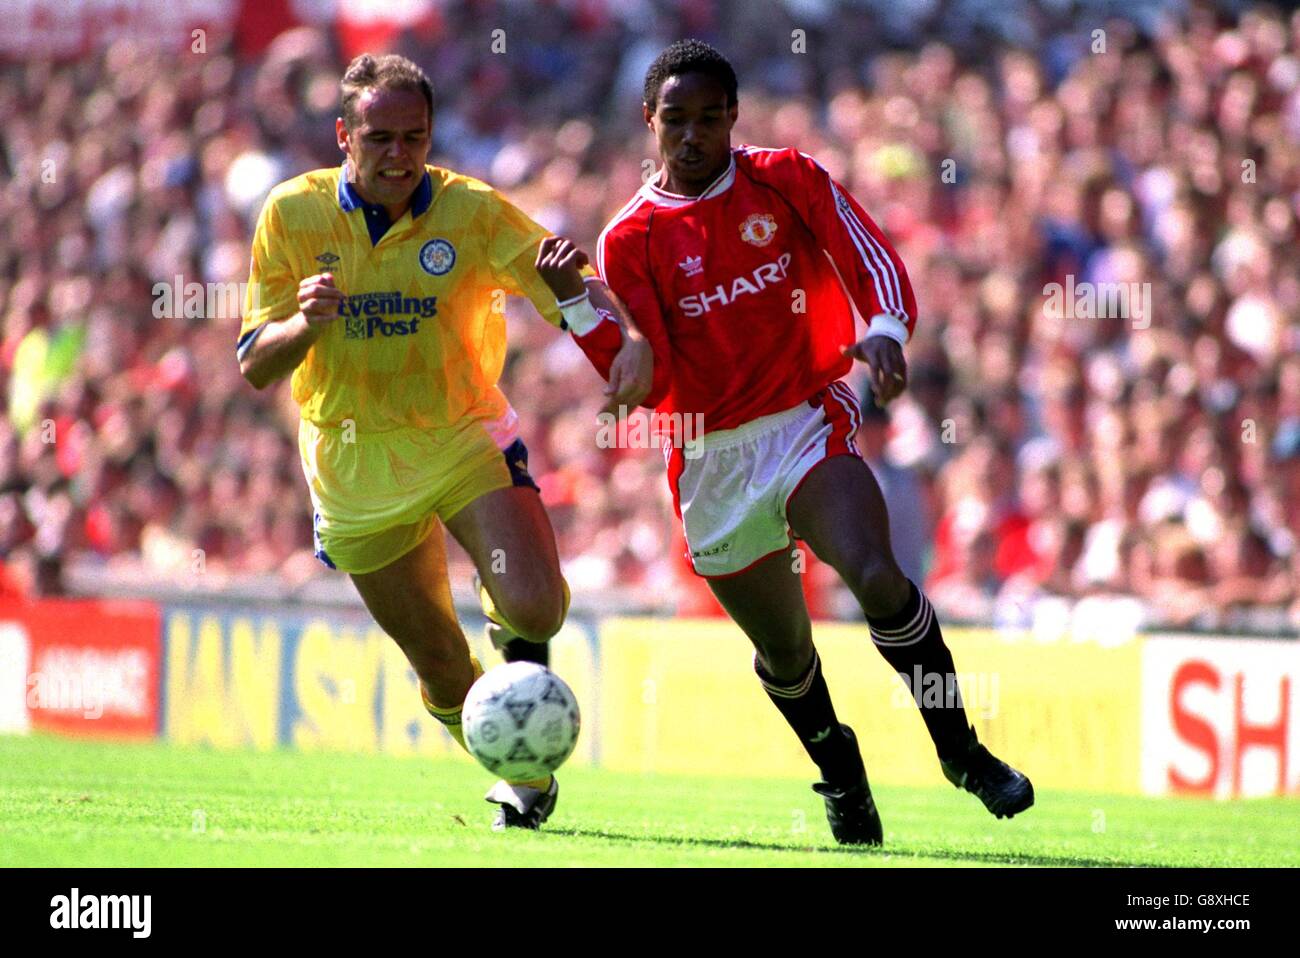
[{"x": 520, "y": 721}]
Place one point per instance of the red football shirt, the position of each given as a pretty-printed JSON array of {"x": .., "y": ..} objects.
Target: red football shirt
[{"x": 739, "y": 289}]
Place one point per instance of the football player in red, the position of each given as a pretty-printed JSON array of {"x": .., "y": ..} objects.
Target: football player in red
[{"x": 742, "y": 266}]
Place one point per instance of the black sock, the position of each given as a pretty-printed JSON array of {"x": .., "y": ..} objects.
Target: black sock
[
  {"x": 912, "y": 644},
  {"x": 521, "y": 650},
  {"x": 806, "y": 706}
]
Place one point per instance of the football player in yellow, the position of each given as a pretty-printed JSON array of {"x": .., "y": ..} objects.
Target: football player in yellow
[{"x": 379, "y": 286}]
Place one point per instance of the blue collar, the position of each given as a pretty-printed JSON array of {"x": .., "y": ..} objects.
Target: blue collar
[{"x": 377, "y": 221}]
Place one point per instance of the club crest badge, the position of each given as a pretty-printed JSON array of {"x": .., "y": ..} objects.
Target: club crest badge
[
  {"x": 437, "y": 257},
  {"x": 758, "y": 229}
]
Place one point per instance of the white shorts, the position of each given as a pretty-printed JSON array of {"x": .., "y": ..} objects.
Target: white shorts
[{"x": 732, "y": 497}]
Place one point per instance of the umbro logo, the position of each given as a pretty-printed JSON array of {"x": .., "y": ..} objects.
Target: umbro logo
[
  {"x": 327, "y": 259},
  {"x": 694, "y": 265}
]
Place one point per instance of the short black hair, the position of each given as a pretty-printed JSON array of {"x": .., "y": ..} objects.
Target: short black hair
[{"x": 689, "y": 56}]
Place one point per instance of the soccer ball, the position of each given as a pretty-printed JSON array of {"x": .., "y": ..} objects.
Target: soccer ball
[{"x": 520, "y": 721}]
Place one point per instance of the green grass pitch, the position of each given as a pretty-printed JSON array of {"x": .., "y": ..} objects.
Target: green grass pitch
[{"x": 79, "y": 803}]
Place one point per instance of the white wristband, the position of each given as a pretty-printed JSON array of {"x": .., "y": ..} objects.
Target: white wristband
[
  {"x": 579, "y": 315},
  {"x": 882, "y": 324}
]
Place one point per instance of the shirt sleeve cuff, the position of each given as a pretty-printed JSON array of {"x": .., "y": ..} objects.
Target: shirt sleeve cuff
[
  {"x": 246, "y": 342},
  {"x": 579, "y": 315},
  {"x": 882, "y": 324}
]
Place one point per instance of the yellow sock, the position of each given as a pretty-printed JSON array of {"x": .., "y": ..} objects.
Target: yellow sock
[
  {"x": 450, "y": 717},
  {"x": 541, "y": 784},
  {"x": 490, "y": 608},
  {"x": 492, "y": 612}
]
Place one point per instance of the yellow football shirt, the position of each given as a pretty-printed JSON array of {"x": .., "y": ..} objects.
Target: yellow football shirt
[
  {"x": 421, "y": 339},
  {"x": 402, "y": 421}
]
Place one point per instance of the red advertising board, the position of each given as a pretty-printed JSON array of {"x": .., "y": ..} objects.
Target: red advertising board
[{"x": 91, "y": 666}]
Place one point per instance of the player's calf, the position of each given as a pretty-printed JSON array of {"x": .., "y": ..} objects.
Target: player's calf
[
  {"x": 450, "y": 715},
  {"x": 878, "y": 584},
  {"x": 805, "y": 704},
  {"x": 911, "y": 641},
  {"x": 906, "y": 632},
  {"x": 410, "y": 600},
  {"x": 841, "y": 513}
]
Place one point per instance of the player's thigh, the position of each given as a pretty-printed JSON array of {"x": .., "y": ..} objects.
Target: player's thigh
[
  {"x": 510, "y": 540},
  {"x": 410, "y": 599},
  {"x": 840, "y": 512},
  {"x": 766, "y": 601}
]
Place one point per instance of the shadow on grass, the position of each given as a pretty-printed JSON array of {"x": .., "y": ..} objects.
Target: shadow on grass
[{"x": 896, "y": 851}]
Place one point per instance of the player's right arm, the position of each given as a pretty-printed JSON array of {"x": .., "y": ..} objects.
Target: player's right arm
[
  {"x": 283, "y": 316},
  {"x": 628, "y": 277},
  {"x": 549, "y": 271},
  {"x": 600, "y": 323},
  {"x": 277, "y": 347}
]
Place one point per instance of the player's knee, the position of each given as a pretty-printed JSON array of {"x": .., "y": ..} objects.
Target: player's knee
[
  {"x": 880, "y": 586},
  {"x": 538, "y": 618},
  {"x": 537, "y": 628},
  {"x": 786, "y": 661}
]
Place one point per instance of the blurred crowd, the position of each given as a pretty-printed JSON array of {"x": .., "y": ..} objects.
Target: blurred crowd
[{"x": 1041, "y": 454}]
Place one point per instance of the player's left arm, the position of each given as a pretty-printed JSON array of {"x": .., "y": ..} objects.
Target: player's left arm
[
  {"x": 549, "y": 271},
  {"x": 871, "y": 268}
]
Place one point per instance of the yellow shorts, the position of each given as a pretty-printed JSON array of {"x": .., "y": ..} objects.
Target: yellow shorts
[{"x": 377, "y": 496}]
